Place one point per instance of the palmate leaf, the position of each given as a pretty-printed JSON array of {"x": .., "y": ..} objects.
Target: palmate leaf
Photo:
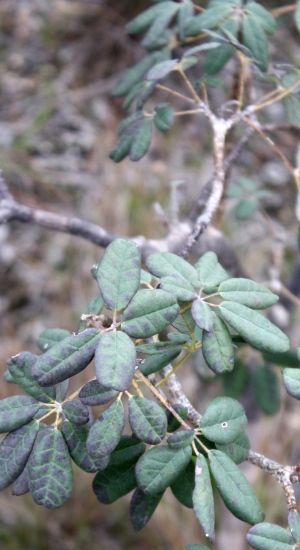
[
  {"x": 254, "y": 328},
  {"x": 16, "y": 411},
  {"x": 158, "y": 468},
  {"x": 75, "y": 411},
  {"x": 234, "y": 488},
  {"x": 15, "y": 450},
  {"x": 149, "y": 312},
  {"x": 248, "y": 293},
  {"x": 50, "y": 471},
  {"x": 67, "y": 358},
  {"x": 105, "y": 433},
  {"x": 142, "y": 508},
  {"x": 93, "y": 393},
  {"x": 115, "y": 361},
  {"x": 75, "y": 437},
  {"x": 223, "y": 420},
  {"x": 50, "y": 337},
  {"x": 20, "y": 367},
  {"x": 147, "y": 420},
  {"x": 217, "y": 347},
  {"x": 118, "y": 273},
  {"x": 162, "y": 264},
  {"x": 184, "y": 485},
  {"x": 113, "y": 483},
  {"x": 267, "y": 536},
  {"x": 203, "y": 499}
]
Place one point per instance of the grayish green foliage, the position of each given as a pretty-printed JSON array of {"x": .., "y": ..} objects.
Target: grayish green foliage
[
  {"x": 164, "y": 264},
  {"x": 21, "y": 485},
  {"x": 75, "y": 436},
  {"x": 238, "y": 450},
  {"x": 158, "y": 361},
  {"x": 105, "y": 433},
  {"x": 210, "y": 272},
  {"x": 203, "y": 315},
  {"x": 294, "y": 525},
  {"x": 128, "y": 449},
  {"x": 16, "y": 411},
  {"x": 93, "y": 393},
  {"x": 142, "y": 508},
  {"x": 203, "y": 500},
  {"x": 234, "y": 488},
  {"x": 217, "y": 347},
  {"x": 75, "y": 411},
  {"x": 50, "y": 337},
  {"x": 113, "y": 483},
  {"x": 181, "y": 439},
  {"x": 67, "y": 358},
  {"x": 267, "y": 536},
  {"x": 20, "y": 367},
  {"x": 179, "y": 287},
  {"x": 115, "y": 360},
  {"x": 147, "y": 420},
  {"x": 184, "y": 485},
  {"x": 223, "y": 420},
  {"x": 50, "y": 471},
  {"x": 158, "y": 468},
  {"x": 15, "y": 449},
  {"x": 118, "y": 273},
  {"x": 248, "y": 293},
  {"x": 291, "y": 379},
  {"x": 266, "y": 389}
]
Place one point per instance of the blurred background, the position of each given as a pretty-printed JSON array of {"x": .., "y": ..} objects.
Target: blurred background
[{"x": 58, "y": 63}]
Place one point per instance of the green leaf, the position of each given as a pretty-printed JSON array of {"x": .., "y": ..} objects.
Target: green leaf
[
  {"x": 61, "y": 390},
  {"x": 223, "y": 420},
  {"x": 234, "y": 488},
  {"x": 20, "y": 367},
  {"x": 209, "y": 19},
  {"x": 21, "y": 485},
  {"x": 7, "y": 377},
  {"x": 162, "y": 69},
  {"x": 113, "y": 483},
  {"x": 93, "y": 393},
  {"x": 217, "y": 58},
  {"x": 147, "y": 420},
  {"x": 297, "y": 16},
  {"x": 75, "y": 411},
  {"x": 181, "y": 439},
  {"x": 146, "y": 278},
  {"x": 184, "y": 485},
  {"x": 158, "y": 468},
  {"x": 255, "y": 40},
  {"x": 210, "y": 272},
  {"x": 115, "y": 361},
  {"x": 185, "y": 13},
  {"x": 135, "y": 74},
  {"x": 163, "y": 117},
  {"x": 128, "y": 449},
  {"x": 122, "y": 148},
  {"x": 238, "y": 450},
  {"x": 291, "y": 379},
  {"x": 133, "y": 93},
  {"x": 75, "y": 437},
  {"x": 236, "y": 381},
  {"x": 149, "y": 312},
  {"x": 145, "y": 19},
  {"x": 203, "y": 499},
  {"x": 155, "y": 36},
  {"x": 157, "y": 348},
  {"x": 267, "y": 536},
  {"x": 291, "y": 106},
  {"x": 50, "y": 337},
  {"x": 173, "y": 423},
  {"x": 201, "y": 48},
  {"x": 217, "y": 347},
  {"x": 141, "y": 140},
  {"x": 185, "y": 323},
  {"x": 262, "y": 16},
  {"x": 255, "y": 329},
  {"x": 203, "y": 315},
  {"x": 66, "y": 358},
  {"x": 178, "y": 338},
  {"x": 246, "y": 208},
  {"x": 163, "y": 264},
  {"x": 294, "y": 525},
  {"x": 287, "y": 359},
  {"x": 16, "y": 411},
  {"x": 179, "y": 287},
  {"x": 142, "y": 508},
  {"x": 50, "y": 471},
  {"x": 105, "y": 433},
  {"x": 118, "y": 273},
  {"x": 158, "y": 361},
  {"x": 15, "y": 450},
  {"x": 248, "y": 293},
  {"x": 266, "y": 389}
]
